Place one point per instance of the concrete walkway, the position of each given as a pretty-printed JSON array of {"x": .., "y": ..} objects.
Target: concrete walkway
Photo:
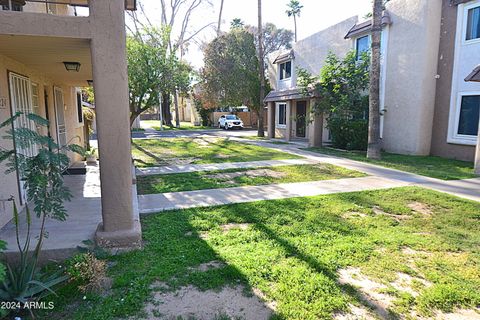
[
  {"x": 221, "y": 166},
  {"x": 468, "y": 188},
  {"x": 379, "y": 178},
  {"x": 203, "y": 198}
]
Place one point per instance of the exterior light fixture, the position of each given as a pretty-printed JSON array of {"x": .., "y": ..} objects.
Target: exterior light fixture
[
  {"x": 90, "y": 83},
  {"x": 72, "y": 66}
]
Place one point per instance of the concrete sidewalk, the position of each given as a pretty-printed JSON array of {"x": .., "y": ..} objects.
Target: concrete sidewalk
[
  {"x": 221, "y": 166},
  {"x": 379, "y": 178},
  {"x": 468, "y": 189},
  {"x": 203, "y": 198}
]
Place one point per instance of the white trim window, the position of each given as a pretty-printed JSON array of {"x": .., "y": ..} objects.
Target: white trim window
[
  {"x": 467, "y": 118},
  {"x": 285, "y": 70},
  {"x": 281, "y": 115},
  {"x": 472, "y": 28},
  {"x": 362, "y": 44}
]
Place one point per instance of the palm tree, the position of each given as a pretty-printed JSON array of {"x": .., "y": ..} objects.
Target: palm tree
[
  {"x": 373, "y": 150},
  {"x": 261, "y": 133},
  {"x": 220, "y": 17},
  {"x": 294, "y": 8}
]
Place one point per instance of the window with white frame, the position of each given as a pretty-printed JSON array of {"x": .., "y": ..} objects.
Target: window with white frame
[
  {"x": 473, "y": 23},
  {"x": 285, "y": 70},
  {"x": 362, "y": 45},
  {"x": 281, "y": 114},
  {"x": 469, "y": 115}
]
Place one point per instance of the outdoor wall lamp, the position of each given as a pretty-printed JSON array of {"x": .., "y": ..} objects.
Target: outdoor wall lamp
[{"x": 72, "y": 66}]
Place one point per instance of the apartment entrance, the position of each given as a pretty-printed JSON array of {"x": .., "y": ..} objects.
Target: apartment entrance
[
  {"x": 21, "y": 103},
  {"x": 301, "y": 119}
]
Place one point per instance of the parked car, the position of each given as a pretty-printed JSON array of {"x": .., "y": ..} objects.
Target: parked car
[{"x": 230, "y": 121}]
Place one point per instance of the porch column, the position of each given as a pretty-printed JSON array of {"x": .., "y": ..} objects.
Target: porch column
[
  {"x": 288, "y": 129},
  {"x": 316, "y": 131},
  {"x": 271, "y": 120},
  {"x": 120, "y": 226},
  {"x": 477, "y": 154}
]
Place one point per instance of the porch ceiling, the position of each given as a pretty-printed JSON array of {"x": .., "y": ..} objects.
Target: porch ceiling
[{"x": 46, "y": 55}]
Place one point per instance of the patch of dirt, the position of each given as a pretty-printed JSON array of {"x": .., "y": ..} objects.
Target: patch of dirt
[
  {"x": 265, "y": 173},
  {"x": 222, "y": 156},
  {"x": 203, "y": 235},
  {"x": 272, "y": 305},
  {"x": 225, "y": 176},
  {"x": 212, "y": 265},
  {"x": 180, "y": 161},
  {"x": 355, "y": 313},
  {"x": 378, "y": 211},
  {"x": 412, "y": 252},
  {"x": 421, "y": 208},
  {"x": 189, "y": 302},
  {"x": 159, "y": 286},
  {"x": 205, "y": 142},
  {"x": 461, "y": 314},
  {"x": 229, "y": 176},
  {"x": 353, "y": 214},
  {"x": 229, "y": 226},
  {"x": 369, "y": 290},
  {"x": 404, "y": 283}
]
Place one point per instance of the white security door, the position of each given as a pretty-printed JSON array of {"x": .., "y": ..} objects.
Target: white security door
[
  {"x": 60, "y": 116},
  {"x": 21, "y": 100}
]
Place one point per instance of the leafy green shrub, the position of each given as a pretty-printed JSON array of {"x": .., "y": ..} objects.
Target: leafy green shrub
[
  {"x": 342, "y": 91},
  {"x": 42, "y": 174},
  {"x": 349, "y": 135}
]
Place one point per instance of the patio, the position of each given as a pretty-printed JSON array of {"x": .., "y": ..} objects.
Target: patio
[{"x": 84, "y": 215}]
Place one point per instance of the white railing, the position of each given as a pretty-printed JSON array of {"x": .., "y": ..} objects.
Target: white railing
[{"x": 55, "y": 7}]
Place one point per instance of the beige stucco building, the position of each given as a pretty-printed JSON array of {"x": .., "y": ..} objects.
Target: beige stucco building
[
  {"x": 36, "y": 41},
  {"x": 428, "y": 49}
]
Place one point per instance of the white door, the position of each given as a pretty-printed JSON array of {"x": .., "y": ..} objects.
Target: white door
[
  {"x": 60, "y": 117},
  {"x": 21, "y": 100}
]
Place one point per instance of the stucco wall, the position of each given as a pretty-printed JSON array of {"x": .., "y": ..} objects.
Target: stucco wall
[
  {"x": 410, "y": 75},
  {"x": 440, "y": 147},
  {"x": 311, "y": 52},
  {"x": 9, "y": 185}
]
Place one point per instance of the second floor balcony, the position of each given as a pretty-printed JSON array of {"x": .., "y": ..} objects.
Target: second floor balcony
[{"x": 54, "y": 7}]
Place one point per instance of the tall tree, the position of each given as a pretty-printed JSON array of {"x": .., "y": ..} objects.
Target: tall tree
[
  {"x": 237, "y": 23},
  {"x": 273, "y": 38},
  {"x": 230, "y": 76},
  {"x": 294, "y": 9},
  {"x": 261, "y": 70},
  {"x": 373, "y": 150},
  {"x": 177, "y": 17},
  {"x": 220, "y": 18}
]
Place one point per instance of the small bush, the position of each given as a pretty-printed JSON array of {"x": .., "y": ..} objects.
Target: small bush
[
  {"x": 349, "y": 135},
  {"x": 89, "y": 272}
]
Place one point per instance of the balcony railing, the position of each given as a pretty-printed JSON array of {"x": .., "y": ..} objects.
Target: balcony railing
[{"x": 55, "y": 7}]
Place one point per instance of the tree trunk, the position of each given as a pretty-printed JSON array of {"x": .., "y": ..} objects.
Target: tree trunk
[
  {"x": 220, "y": 18},
  {"x": 261, "y": 61},
  {"x": 295, "y": 22},
  {"x": 373, "y": 151},
  {"x": 167, "y": 116},
  {"x": 177, "y": 113}
]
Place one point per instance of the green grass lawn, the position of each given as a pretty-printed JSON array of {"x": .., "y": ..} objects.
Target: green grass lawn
[
  {"x": 227, "y": 178},
  {"x": 155, "y": 124},
  {"x": 164, "y": 151},
  {"x": 293, "y": 250},
  {"x": 430, "y": 166}
]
